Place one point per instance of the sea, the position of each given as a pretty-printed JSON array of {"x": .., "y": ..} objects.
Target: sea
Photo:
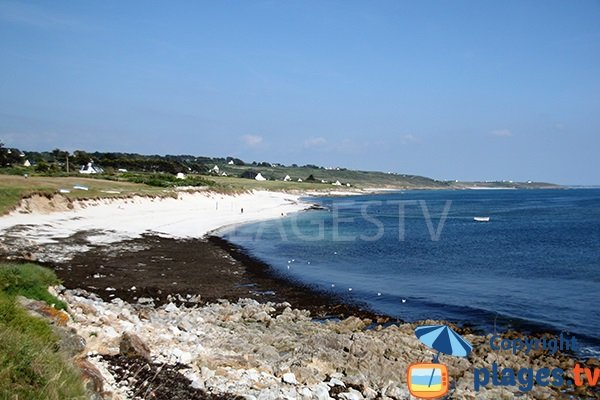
[{"x": 416, "y": 255}]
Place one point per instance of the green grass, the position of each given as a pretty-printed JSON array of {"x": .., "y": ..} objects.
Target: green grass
[
  {"x": 31, "y": 366},
  {"x": 14, "y": 187},
  {"x": 31, "y": 281},
  {"x": 166, "y": 180},
  {"x": 357, "y": 179}
]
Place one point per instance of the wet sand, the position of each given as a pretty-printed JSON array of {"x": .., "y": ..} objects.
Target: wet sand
[{"x": 213, "y": 268}]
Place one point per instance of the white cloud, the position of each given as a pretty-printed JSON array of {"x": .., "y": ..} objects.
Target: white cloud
[
  {"x": 315, "y": 142},
  {"x": 252, "y": 140},
  {"x": 409, "y": 139},
  {"x": 502, "y": 133}
]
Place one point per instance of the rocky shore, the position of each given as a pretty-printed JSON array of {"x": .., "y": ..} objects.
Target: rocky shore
[
  {"x": 253, "y": 350},
  {"x": 153, "y": 317},
  {"x": 225, "y": 330}
]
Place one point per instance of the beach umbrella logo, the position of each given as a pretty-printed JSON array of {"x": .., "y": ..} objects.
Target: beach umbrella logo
[
  {"x": 430, "y": 380},
  {"x": 444, "y": 340}
]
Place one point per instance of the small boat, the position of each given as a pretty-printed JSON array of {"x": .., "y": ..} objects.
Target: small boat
[
  {"x": 64, "y": 191},
  {"x": 80, "y": 187},
  {"x": 482, "y": 219}
]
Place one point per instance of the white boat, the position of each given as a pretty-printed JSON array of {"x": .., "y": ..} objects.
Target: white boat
[{"x": 482, "y": 219}]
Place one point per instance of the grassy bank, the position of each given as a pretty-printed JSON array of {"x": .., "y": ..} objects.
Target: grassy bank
[
  {"x": 14, "y": 187},
  {"x": 31, "y": 366}
]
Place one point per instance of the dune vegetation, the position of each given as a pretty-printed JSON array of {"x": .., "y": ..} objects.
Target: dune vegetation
[{"x": 31, "y": 363}]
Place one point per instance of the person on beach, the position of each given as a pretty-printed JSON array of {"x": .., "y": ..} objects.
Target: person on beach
[{"x": 242, "y": 210}]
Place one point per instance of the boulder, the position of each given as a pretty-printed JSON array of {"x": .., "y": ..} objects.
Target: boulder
[
  {"x": 92, "y": 378},
  {"x": 132, "y": 346}
]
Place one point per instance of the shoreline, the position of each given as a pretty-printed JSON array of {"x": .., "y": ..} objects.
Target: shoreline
[{"x": 253, "y": 329}]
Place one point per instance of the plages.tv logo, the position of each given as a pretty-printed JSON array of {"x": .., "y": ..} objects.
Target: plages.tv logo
[{"x": 430, "y": 380}]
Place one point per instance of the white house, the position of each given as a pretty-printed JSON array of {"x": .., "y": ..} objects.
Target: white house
[
  {"x": 336, "y": 183},
  {"x": 230, "y": 162},
  {"x": 27, "y": 164},
  {"x": 180, "y": 175},
  {"x": 259, "y": 177},
  {"x": 215, "y": 169},
  {"x": 90, "y": 168},
  {"x": 287, "y": 178},
  {"x": 299, "y": 179}
]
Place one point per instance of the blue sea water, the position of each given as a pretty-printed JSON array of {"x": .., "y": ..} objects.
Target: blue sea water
[{"x": 420, "y": 255}]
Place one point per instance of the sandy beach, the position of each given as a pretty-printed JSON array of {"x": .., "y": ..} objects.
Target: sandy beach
[
  {"x": 41, "y": 221},
  {"x": 167, "y": 312}
]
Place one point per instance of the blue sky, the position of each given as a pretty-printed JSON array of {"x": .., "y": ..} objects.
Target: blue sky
[{"x": 447, "y": 89}]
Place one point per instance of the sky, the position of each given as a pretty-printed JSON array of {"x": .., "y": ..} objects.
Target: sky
[{"x": 469, "y": 90}]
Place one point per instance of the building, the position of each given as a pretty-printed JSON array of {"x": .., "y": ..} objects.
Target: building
[{"x": 90, "y": 168}]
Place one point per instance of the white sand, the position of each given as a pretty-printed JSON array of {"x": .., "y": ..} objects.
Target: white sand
[{"x": 191, "y": 215}]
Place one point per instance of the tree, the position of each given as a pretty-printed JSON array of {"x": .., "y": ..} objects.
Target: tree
[
  {"x": 248, "y": 174},
  {"x": 9, "y": 156}
]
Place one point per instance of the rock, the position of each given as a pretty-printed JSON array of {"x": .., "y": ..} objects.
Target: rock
[
  {"x": 181, "y": 356},
  {"x": 321, "y": 391},
  {"x": 262, "y": 316},
  {"x": 336, "y": 382},
  {"x": 351, "y": 394},
  {"x": 350, "y": 324},
  {"x": 132, "y": 346},
  {"x": 69, "y": 341},
  {"x": 185, "y": 325},
  {"x": 91, "y": 377},
  {"x": 110, "y": 332},
  {"x": 369, "y": 393},
  {"x": 146, "y": 300},
  {"x": 290, "y": 378}
]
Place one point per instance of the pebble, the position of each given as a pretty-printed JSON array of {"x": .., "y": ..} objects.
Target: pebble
[
  {"x": 242, "y": 349},
  {"x": 290, "y": 378}
]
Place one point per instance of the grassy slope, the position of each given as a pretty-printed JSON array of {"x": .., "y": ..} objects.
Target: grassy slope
[
  {"x": 360, "y": 179},
  {"x": 30, "y": 365},
  {"x": 13, "y": 188}
]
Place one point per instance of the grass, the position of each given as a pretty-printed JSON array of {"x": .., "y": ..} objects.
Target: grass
[
  {"x": 13, "y": 188},
  {"x": 230, "y": 183},
  {"x": 31, "y": 366},
  {"x": 31, "y": 281},
  {"x": 357, "y": 179}
]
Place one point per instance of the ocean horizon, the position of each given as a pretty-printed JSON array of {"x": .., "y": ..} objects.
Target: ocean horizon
[{"x": 416, "y": 255}]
